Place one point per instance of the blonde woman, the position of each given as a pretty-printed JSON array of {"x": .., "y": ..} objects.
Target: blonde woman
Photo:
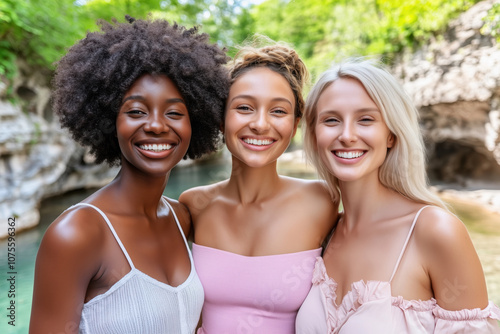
[{"x": 398, "y": 260}]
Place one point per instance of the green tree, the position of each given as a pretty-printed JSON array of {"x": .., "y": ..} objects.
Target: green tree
[
  {"x": 36, "y": 30},
  {"x": 324, "y": 30},
  {"x": 492, "y": 22}
]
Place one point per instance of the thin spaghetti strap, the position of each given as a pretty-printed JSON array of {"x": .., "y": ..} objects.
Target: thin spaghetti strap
[
  {"x": 406, "y": 243},
  {"x": 112, "y": 231},
  {"x": 179, "y": 226}
]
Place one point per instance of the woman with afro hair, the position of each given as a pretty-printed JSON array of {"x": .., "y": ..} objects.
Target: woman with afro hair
[{"x": 142, "y": 94}]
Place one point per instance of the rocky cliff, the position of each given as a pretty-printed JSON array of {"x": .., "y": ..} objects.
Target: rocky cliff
[
  {"x": 455, "y": 83},
  {"x": 37, "y": 158}
]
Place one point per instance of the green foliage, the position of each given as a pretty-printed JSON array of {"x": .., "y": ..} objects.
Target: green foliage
[
  {"x": 324, "y": 30},
  {"x": 40, "y": 31},
  {"x": 299, "y": 22},
  {"x": 227, "y": 24},
  {"x": 36, "y": 30},
  {"x": 492, "y": 22},
  {"x": 171, "y": 10}
]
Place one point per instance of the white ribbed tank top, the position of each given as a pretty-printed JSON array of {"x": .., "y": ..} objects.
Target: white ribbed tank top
[{"x": 140, "y": 304}]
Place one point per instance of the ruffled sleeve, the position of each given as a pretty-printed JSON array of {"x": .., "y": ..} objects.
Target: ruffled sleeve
[{"x": 468, "y": 321}]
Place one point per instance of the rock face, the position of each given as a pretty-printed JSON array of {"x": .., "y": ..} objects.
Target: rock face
[
  {"x": 37, "y": 158},
  {"x": 455, "y": 83}
]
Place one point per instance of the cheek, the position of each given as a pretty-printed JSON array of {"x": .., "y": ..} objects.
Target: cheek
[
  {"x": 187, "y": 128},
  {"x": 286, "y": 127},
  {"x": 230, "y": 124},
  {"x": 122, "y": 131},
  {"x": 323, "y": 137}
]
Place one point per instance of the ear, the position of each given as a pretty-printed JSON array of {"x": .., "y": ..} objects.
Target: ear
[
  {"x": 391, "y": 140},
  {"x": 296, "y": 125}
]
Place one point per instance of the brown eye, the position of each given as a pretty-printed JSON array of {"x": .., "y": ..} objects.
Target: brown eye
[
  {"x": 244, "y": 108},
  {"x": 331, "y": 121},
  {"x": 135, "y": 112},
  {"x": 280, "y": 112}
]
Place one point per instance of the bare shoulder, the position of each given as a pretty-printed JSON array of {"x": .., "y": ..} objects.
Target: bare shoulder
[
  {"x": 439, "y": 229},
  {"x": 451, "y": 261},
  {"x": 76, "y": 234},
  {"x": 315, "y": 201},
  {"x": 182, "y": 214},
  {"x": 78, "y": 229},
  {"x": 310, "y": 191},
  {"x": 198, "y": 198},
  {"x": 312, "y": 187}
]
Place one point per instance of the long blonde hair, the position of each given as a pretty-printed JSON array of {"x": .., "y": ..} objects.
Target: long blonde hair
[{"x": 404, "y": 167}]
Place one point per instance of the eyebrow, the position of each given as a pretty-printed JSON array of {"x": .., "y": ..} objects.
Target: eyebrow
[
  {"x": 362, "y": 110},
  {"x": 278, "y": 99},
  {"x": 141, "y": 98}
]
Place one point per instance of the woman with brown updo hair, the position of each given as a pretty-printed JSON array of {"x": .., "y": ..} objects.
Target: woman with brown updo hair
[{"x": 257, "y": 234}]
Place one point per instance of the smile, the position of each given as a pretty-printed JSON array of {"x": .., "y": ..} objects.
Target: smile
[
  {"x": 349, "y": 155},
  {"x": 258, "y": 142},
  {"x": 155, "y": 147}
]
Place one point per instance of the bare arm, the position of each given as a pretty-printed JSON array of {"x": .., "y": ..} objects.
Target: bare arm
[
  {"x": 67, "y": 260},
  {"x": 456, "y": 274}
]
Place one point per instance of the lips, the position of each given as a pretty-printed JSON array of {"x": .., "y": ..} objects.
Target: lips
[
  {"x": 258, "y": 142},
  {"x": 348, "y": 154},
  {"x": 155, "y": 150},
  {"x": 155, "y": 147}
]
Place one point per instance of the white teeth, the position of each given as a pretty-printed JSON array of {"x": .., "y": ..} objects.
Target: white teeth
[
  {"x": 156, "y": 147},
  {"x": 349, "y": 155},
  {"x": 258, "y": 142}
]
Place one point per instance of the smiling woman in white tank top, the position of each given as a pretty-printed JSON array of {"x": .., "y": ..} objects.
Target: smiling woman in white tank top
[{"x": 118, "y": 262}]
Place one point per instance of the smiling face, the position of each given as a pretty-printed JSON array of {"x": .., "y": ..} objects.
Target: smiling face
[
  {"x": 260, "y": 121},
  {"x": 351, "y": 135},
  {"x": 153, "y": 126}
]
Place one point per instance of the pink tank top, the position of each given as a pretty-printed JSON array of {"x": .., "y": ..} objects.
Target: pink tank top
[{"x": 252, "y": 294}]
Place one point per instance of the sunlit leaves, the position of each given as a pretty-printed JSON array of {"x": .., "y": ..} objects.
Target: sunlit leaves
[
  {"x": 492, "y": 21},
  {"x": 320, "y": 30}
]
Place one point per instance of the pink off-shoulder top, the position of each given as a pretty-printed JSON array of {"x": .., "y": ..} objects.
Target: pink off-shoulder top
[{"x": 369, "y": 307}]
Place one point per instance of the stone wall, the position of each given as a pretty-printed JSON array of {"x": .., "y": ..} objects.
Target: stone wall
[
  {"x": 455, "y": 83},
  {"x": 37, "y": 158}
]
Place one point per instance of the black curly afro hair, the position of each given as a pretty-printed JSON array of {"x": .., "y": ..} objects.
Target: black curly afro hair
[{"x": 92, "y": 78}]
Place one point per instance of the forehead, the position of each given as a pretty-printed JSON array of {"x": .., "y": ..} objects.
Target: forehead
[
  {"x": 153, "y": 84},
  {"x": 261, "y": 81},
  {"x": 346, "y": 93}
]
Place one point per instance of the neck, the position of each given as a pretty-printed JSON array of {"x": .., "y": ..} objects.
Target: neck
[
  {"x": 364, "y": 201},
  {"x": 138, "y": 192},
  {"x": 253, "y": 184}
]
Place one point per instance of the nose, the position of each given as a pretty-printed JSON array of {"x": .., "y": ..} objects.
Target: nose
[
  {"x": 260, "y": 122},
  {"x": 348, "y": 134},
  {"x": 156, "y": 123}
]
